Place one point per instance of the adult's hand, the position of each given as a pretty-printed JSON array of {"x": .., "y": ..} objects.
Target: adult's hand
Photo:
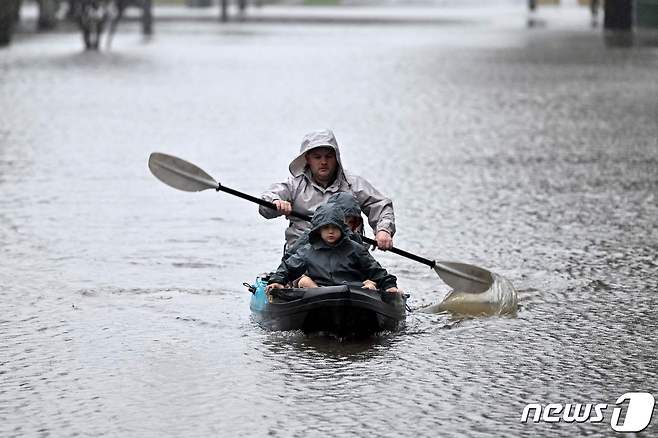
[
  {"x": 384, "y": 240},
  {"x": 394, "y": 290},
  {"x": 283, "y": 207}
]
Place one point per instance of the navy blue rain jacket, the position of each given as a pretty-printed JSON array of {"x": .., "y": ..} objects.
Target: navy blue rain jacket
[
  {"x": 346, "y": 262},
  {"x": 346, "y": 203}
]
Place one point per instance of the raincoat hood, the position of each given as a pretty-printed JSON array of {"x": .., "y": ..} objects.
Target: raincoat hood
[
  {"x": 323, "y": 138},
  {"x": 324, "y": 215},
  {"x": 346, "y": 202}
]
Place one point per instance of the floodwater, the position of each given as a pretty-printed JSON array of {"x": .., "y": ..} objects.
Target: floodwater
[{"x": 531, "y": 152}]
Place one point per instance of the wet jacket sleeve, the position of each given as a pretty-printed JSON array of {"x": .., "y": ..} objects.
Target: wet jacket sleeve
[
  {"x": 376, "y": 206},
  {"x": 299, "y": 243},
  {"x": 289, "y": 269},
  {"x": 276, "y": 192},
  {"x": 374, "y": 271}
]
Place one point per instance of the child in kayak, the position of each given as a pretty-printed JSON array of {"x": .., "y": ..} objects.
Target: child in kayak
[
  {"x": 332, "y": 258},
  {"x": 345, "y": 202}
]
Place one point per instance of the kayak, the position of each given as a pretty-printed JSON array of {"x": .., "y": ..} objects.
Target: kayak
[{"x": 341, "y": 310}]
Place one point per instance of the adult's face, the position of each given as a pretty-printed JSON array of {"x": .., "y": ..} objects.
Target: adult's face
[{"x": 323, "y": 164}]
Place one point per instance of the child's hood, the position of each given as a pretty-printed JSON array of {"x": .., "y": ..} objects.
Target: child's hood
[{"x": 346, "y": 202}]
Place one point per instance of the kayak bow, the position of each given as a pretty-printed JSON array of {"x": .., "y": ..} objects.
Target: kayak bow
[{"x": 341, "y": 310}]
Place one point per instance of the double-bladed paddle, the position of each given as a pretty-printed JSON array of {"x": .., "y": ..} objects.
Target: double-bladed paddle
[{"x": 183, "y": 175}]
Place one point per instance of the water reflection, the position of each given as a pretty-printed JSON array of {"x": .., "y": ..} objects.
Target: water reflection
[
  {"x": 618, "y": 39},
  {"x": 329, "y": 347}
]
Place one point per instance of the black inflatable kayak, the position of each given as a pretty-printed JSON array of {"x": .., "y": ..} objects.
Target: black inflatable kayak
[{"x": 341, "y": 310}]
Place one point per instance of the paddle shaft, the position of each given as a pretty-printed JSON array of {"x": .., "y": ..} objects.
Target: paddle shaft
[{"x": 304, "y": 217}]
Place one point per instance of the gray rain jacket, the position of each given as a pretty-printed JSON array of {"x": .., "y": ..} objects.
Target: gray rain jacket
[
  {"x": 306, "y": 195},
  {"x": 347, "y": 262}
]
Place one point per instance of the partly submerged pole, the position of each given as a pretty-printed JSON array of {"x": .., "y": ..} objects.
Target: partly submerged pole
[
  {"x": 618, "y": 14},
  {"x": 224, "y": 11}
]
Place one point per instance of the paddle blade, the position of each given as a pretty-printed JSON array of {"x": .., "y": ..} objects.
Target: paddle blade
[
  {"x": 500, "y": 299},
  {"x": 180, "y": 174},
  {"x": 463, "y": 277}
]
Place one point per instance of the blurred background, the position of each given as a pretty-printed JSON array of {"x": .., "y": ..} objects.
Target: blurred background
[{"x": 25, "y": 15}]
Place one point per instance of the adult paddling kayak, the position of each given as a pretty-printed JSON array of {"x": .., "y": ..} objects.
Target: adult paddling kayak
[{"x": 341, "y": 310}]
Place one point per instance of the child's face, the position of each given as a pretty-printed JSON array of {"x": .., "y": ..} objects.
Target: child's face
[
  {"x": 353, "y": 222},
  {"x": 330, "y": 234}
]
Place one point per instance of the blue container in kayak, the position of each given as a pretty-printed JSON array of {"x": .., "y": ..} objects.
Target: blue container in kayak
[{"x": 259, "y": 298}]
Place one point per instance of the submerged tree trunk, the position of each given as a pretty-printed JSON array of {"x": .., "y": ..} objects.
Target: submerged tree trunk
[
  {"x": 9, "y": 11},
  {"x": 47, "y": 14},
  {"x": 147, "y": 17}
]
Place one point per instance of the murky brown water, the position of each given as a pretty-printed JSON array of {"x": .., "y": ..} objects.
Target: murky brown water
[{"x": 530, "y": 152}]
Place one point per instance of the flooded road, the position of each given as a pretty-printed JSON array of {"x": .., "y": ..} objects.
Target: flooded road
[{"x": 532, "y": 153}]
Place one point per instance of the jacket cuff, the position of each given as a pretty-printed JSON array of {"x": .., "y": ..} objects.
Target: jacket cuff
[
  {"x": 273, "y": 280},
  {"x": 267, "y": 212},
  {"x": 386, "y": 226}
]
